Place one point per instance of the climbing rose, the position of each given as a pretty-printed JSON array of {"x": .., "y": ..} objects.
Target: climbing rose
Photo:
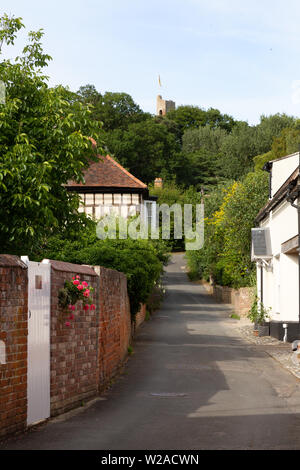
[
  {"x": 85, "y": 307},
  {"x": 85, "y": 284},
  {"x": 68, "y": 323},
  {"x": 92, "y": 307},
  {"x": 76, "y": 282},
  {"x": 80, "y": 287}
]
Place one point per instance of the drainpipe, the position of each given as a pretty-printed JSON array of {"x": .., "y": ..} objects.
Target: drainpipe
[{"x": 261, "y": 284}]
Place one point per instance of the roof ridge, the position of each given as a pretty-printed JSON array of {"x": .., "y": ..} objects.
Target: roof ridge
[{"x": 125, "y": 171}]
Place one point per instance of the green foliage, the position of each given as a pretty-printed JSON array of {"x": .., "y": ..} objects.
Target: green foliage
[
  {"x": 229, "y": 216},
  {"x": 192, "y": 117},
  {"x": 141, "y": 260},
  {"x": 235, "y": 316},
  {"x": 238, "y": 150},
  {"x": 171, "y": 194},
  {"x": 269, "y": 128},
  {"x": 203, "y": 138},
  {"x": 114, "y": 110},
  {"x": 147, "y": 149},
  {"x": 44, "y": 142},
  {"x": 258, "y": 314}
]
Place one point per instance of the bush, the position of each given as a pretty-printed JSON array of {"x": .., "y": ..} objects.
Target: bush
[
  {"x": 230, "y": 213},
  {"x": 140, "y": 260}
]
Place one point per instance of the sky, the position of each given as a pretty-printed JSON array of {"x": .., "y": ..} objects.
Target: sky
[{"x": 239, "y": 57}]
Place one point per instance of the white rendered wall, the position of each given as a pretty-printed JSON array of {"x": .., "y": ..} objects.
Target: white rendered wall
[
  {"x": 282, "y": 170},
  {"x": 280, "y": 280}
]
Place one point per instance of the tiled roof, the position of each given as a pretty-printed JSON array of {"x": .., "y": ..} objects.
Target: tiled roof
[{"x": 106, "y": 172}]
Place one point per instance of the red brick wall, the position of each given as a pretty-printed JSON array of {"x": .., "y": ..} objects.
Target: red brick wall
[
  {"x": 74, "y": 352},
  {"x": 13, "y": 331},
  {"x": 84, "y": 357},
  {"x": 114, "y": 325},
  {"x": 140, "y": 316}
]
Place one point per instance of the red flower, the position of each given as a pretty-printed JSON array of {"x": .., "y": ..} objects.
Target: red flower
[
  {"x": 92, "y": 307},
  {"x": 76, "y": 282},
  {"x": 77, "y": 277},
  {"x": 71, "y": 317},
  {"x": 80, "y": 287},
  {"x": 85, "y": 284},
  {"x": 85, "y": 307},
  {"x": 68, "y": 323}
]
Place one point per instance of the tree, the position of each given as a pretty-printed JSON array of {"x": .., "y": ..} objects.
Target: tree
[
  {"x": 285, "y": 144},
  {"x": 192, "y": 117},
  {"x": 114, "y": 110},
  {"x": 229, "y": 216},
  {"x": 203, "y": 138},
  {"x": 270, "y": 127},
  {"x": 238, "y": 216},
  {"x": 238, "y": 150},
  {"x": 44, "y": 142},
  {"x": 147, "y": 149}
]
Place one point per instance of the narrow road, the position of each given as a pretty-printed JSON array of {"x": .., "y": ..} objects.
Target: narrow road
[{"x": 192, "y": 383}]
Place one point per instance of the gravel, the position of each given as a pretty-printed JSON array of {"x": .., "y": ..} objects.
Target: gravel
[{"x": 280, "y": 351}]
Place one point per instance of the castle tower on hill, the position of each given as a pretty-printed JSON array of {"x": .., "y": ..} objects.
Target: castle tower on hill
[{"x": 163, "y": 106}]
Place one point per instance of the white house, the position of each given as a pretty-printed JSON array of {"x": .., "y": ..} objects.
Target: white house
[{"x": 275, "y": 244}]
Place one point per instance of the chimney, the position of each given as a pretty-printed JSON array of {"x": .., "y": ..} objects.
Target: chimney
[{"x": 158, "y": 183}]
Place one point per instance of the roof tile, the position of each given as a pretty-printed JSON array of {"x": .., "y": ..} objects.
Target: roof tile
[{"x": 106, "y": 172}]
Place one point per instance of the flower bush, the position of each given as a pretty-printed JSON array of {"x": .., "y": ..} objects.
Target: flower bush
[{"x": 75, "y": 291}]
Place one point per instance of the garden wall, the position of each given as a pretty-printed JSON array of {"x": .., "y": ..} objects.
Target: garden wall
[
  {"x": 240, "y": 299},
  {"x": 140, "y": 316},
  {"x": 83, "y": 356},
  {"x": 13, "y": 337},
  {"x": 74, "y": 349},
  {"x": 114, "y": 324}
]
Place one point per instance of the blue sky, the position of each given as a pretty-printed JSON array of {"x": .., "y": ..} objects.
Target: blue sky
[{"x": 240, "y": 58}]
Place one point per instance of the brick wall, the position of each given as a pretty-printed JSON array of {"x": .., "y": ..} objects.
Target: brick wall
[
  {"x": 73, "y": 349},
  {"x": 13, "y": 332},
  {"x": 83, "y": 357},
  {"x": 240, "y": 299},
  {"x": 140, "y": 316},
  {"x": 114, "y": 325}
]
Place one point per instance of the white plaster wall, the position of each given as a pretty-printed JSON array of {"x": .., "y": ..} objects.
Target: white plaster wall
[
  {"x": 280, "y": 280},
  {"x": 282, "y": 169},
  {"x": 289, "y": 292},
  {"x": 283, "y": 225}
]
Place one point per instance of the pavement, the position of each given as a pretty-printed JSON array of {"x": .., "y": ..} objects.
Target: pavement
[{"x": 193, "y": 383}]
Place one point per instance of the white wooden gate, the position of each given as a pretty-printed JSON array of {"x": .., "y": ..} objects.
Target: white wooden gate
[{"x": 38, "y": 385}]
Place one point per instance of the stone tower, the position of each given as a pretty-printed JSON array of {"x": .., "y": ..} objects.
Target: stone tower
[{"x": 163, "y": 106}]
